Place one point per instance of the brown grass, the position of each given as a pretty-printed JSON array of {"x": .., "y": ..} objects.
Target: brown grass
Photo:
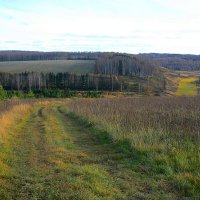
[
  {"x": 165, "y": 130},
  {"x": 145, "y": 120}
]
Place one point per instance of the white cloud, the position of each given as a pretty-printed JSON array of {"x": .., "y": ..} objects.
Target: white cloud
[
  {"x": 187, "y": 6},
  {"x": 124, "y": 26}
]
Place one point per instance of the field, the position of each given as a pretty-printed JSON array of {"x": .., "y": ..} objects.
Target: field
[
  {"x": 187, "y": 87},
  {"x": 181, "y": 83},
  {"x": 72, "y": 66},
  {"x": 120, "y": 148}
]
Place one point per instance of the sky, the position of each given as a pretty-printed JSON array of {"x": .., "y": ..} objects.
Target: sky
[{"x": 131, "y": 26}]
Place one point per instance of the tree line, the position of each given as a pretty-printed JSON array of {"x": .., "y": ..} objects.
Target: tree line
[
  {"x": 49, "y": 84},
  {"x": 36, "y": 55},
  {"x": 36, "y": 81}
]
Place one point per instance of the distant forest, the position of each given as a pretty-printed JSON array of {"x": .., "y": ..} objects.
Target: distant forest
[
  {"x": 172, "y": 61},
  {"x": 34, "y": 55},
  {"x": 180, "y": 62}
]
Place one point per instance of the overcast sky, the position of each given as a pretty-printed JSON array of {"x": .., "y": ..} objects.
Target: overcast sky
[{"x": 132, "y": 26}]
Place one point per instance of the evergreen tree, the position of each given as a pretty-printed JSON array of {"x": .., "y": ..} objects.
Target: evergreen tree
[
  {"x": 30, "y": 94},
  {"x": 3, "y": 94}
]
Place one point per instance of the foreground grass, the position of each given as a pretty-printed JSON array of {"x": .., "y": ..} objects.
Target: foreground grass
[
  {"x": 46, "y": 158},
  {"x": 44, "y": 163},
  {"x": 187, "y": 87},
  {"x": 54, "y": 154},
  {"x": 161, "y": 135}
]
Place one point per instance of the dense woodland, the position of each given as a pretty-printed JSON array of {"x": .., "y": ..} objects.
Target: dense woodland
[
  {"x": 59, "y": 85},
  {"x": 36, "y": 81}
]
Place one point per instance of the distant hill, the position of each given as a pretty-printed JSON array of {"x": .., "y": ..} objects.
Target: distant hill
[
  {"x": 107, "y": 63},
  {"x": 180, "y": 62}
]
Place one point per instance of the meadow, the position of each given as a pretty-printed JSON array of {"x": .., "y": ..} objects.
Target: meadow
[
  {"x": 118, "y": 148},
  {"x": 55, "y": 66},
  {"x": 187, "y": 87}
]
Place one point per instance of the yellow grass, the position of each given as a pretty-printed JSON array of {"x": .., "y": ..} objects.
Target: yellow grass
[
  {"x": 187, "y": 87},
  {"x": 10, "y": 118}
]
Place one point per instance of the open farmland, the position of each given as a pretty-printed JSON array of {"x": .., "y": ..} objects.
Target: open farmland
[
  {"x": 123, "y": 148},
  {"x": 71, "y": 66}
]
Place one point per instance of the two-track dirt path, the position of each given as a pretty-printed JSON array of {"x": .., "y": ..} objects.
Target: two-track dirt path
[{"x": 55, "y": 157}]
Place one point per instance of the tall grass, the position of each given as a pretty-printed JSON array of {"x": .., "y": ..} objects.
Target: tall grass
[
  {"x": 11, "y": 114},
  {"x": 7, "y": 105},
  {"x": 164, "y": 129},
  {"x": 144, "y": 120},
  {"x": 9, "y": 118}
]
